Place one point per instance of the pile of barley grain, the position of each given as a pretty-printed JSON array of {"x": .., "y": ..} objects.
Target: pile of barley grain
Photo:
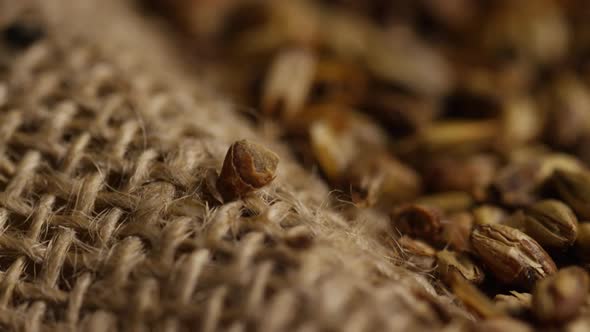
[{"x": 467, "y": 121}]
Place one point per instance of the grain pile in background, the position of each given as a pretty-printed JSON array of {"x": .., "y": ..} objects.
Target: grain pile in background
[{"x": 466, "y": 121}]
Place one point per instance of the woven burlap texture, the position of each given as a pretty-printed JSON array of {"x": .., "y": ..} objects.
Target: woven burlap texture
[{"x": 105, "y": 145}]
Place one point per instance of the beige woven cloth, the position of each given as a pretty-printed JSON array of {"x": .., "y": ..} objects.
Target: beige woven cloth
[{"x": 105, "y": 139}]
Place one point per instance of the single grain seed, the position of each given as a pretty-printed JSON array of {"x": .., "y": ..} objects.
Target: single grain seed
[
  {"x": 551, "y": 223},
  {"x": 457, "y": 231},
  {"x": 381, "y": 180},
  {"x": 512, "y": 256},
  {"x": 417, "y": 221},
  {"x": 489, "y": 214},
  {"x": 515, "y": 303},
  {"x": 574, "y": 189},
  {"x": 560, "y": 297},
  {"x": 474, "y": 299},
  {"x": 246, "y": 168},
  {"x": 451, "y": 264}
]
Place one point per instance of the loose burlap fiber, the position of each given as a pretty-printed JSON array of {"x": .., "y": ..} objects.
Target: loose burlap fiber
[{"x": 106, "y": 145}]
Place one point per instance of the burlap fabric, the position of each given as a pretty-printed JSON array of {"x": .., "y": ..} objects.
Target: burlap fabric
[{"x": 106, "y": 145}]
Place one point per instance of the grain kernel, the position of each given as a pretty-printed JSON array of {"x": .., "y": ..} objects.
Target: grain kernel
[
  {"x": 551, "y": 223},
  {"x": 417, "y": 221},
  {"x": 512, "y": 256},
  {"x": 560, "y": 297},
  {"x": 451, "y": 264},
  {"x": 574, "y": 189},
  {"x": 515, "y": 303},
  {"x": 247, "y": 167}
]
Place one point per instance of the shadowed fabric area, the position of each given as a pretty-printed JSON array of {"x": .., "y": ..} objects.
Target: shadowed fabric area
[{"x": 106, "y": 148}]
